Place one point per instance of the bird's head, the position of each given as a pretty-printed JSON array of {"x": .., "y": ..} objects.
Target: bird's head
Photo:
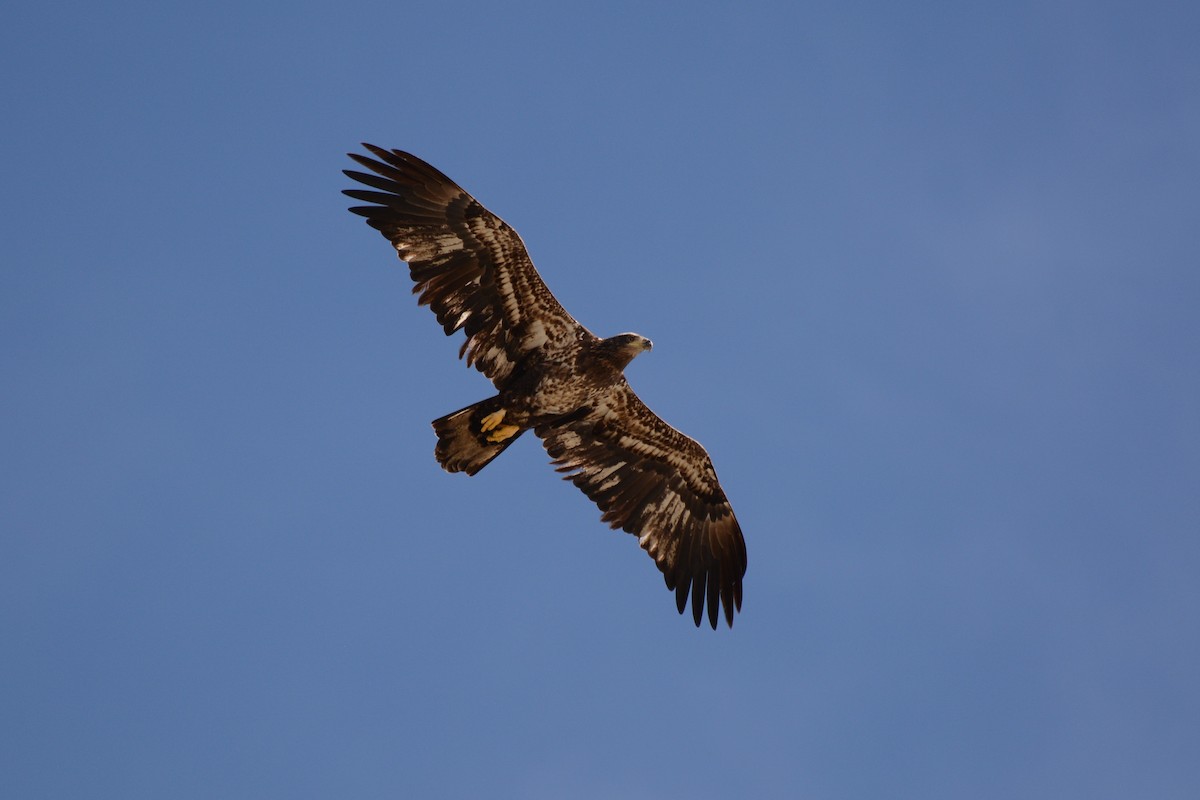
[{"x": 624, "y": 347}]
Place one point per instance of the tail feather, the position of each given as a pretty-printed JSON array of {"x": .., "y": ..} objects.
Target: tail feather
[{"x": 462, "y": 444}]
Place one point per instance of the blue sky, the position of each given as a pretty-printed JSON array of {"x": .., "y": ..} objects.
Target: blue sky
[{"x": 923, "y": 278}]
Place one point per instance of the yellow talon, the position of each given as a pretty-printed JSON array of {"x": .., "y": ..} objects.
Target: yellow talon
[
  {"x": 491, "y": 420},
  {"x": 503, "y": 432}
]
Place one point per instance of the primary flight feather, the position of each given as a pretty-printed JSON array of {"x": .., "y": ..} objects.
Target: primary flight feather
[{"x": 556, "y": 378}]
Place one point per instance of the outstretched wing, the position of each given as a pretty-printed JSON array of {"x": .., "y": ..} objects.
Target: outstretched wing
[
  {"x": 652, "y": 481},
  {"x": 470, "y": 266}
]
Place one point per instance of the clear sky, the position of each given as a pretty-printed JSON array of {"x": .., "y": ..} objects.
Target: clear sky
[{"x": 923, "y": 277}]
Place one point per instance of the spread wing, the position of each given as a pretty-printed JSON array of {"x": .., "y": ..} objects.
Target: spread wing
[
  {"x": 652, "y": 481},
  {"x": 470, "y": 266}
]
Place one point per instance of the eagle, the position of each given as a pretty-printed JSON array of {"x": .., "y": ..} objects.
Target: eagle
[{"x": 555, "y": 377}]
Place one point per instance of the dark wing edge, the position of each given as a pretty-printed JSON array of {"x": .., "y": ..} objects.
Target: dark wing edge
[
  {"x": 654, "y": 482},
  {"x": 468, "y": 265}
]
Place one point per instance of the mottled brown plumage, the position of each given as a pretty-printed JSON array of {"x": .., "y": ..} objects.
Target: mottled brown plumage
[{"x": 556, "y": 378}]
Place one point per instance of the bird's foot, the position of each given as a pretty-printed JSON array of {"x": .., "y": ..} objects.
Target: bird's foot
[
  {"x": 491, "y": 420},
  {"x": 502, "y": 432}
]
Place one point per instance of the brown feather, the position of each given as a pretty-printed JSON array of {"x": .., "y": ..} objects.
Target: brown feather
[
  {"x": 666, "y": 493},
  {"x": 462, "y": 259}
]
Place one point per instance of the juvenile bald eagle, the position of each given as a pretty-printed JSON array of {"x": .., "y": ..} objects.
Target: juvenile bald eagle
[{"x": 555, "y": 377}]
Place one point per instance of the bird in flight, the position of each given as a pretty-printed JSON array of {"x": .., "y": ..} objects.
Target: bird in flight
[{"x": 555, "y": 377}]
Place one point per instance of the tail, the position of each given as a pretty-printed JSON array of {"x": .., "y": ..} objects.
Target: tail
[{"x": 471, "y": 437}]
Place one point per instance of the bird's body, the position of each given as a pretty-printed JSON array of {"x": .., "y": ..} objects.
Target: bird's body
[
  {"x": 554, "y": 377},
  {"x": 551, "y": 386}
]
